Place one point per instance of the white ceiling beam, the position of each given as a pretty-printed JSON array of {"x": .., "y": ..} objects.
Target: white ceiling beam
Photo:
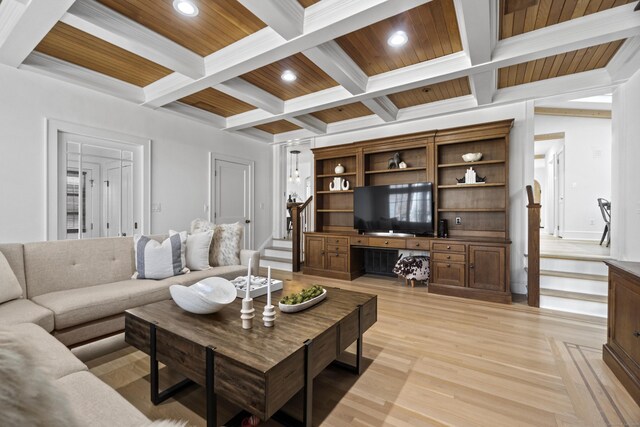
[
  {"x": 100, "y": 21},
  {"x": 626, "y": 62},
  {"x": 251, "y": 94},
  {"x": 256, "y": 134},
  {"x": 477, "y": 20},
  {"x": 331, "y": 59},
  {"x": 286, "y": 17},
  {"x": 23, "y": 24},
  {"x": 484, "y": 86},
  {"x": 325, "y": 21},
  {"x": 62, "y": 70},
  {"x": 382, "y": 107},
  {"x": 193, "y": 113},
  {"x": 310, "y": 123}
]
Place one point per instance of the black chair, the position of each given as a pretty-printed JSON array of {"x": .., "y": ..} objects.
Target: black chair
[{"x": 605, "y": 209}]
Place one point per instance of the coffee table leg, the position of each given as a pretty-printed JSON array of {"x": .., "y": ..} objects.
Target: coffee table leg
[
  {"x": 357, "y": 368},
  {"x": 307, "y": 411},
  {"x": 158, "y": 396},
  {"x": 212, "y": 402}
]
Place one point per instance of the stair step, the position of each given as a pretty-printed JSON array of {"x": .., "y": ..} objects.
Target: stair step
[
  {"x": 281, "y": 243},
  {"x": 571, "y": 284},
  {"x": 276, "y": 263},
  {"x": 566, "y": 265},
  {"x": 589, "y": 308},
  {"x": 574, "y": 295},
  {"x": 278, "y": 252},
  {"x": 572, "y": 275}
]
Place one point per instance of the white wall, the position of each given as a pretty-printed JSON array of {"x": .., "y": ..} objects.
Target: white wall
[
  {"x": 179, "y": 154},
  {"x": 540, "y": 175},
  {"x": 587, "y": 154},
  {"x": 520, "y": 167},
  {"x": 625, "y": 203}
]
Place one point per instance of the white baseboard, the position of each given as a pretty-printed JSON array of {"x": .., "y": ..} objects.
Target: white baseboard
[{"x": 582, "y": 235}]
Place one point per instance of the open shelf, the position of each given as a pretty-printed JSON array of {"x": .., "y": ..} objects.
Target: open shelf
[
  {"x": 394, "y": 170},
  {"x": 331, "y": 175},
  {"x": 481, "y": 162},
  {"x": 335, "y": 210},
  {"x": 472, "y": 210},
  {"x": 334, "y": 192},
  {"x": 489, "y": 184}
]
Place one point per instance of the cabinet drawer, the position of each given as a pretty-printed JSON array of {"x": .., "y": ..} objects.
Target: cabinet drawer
[
  {"x": 337, "y": 249},
  {"x": 445, "y": 273},
  {"x": 333, "y": 241},
  {"x": 359, "y": 241},
  {"x": 420, "y": 244},
  {"x": 448, "y": 257},
  {"x": 337, "y": 261},
  {"x": 387, "y": 243},
  {"x": 447, "y": 247}
]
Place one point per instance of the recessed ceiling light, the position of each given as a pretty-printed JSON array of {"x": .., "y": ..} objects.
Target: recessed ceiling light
[
  {"x": 288, "y": 76},
  {"x": 186, "y": 7},
  {"x": 397, "y": 39}
]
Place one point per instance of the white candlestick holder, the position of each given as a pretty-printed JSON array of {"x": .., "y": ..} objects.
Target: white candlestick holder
[
  {"x": 247, "y": 313},
  {"x": 269, "y": 315}
]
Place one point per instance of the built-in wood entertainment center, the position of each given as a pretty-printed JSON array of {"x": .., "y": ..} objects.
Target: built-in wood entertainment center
[{"x": 474, "y": 260}]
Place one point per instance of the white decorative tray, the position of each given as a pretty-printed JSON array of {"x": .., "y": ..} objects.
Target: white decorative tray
[
  {"x": 258, "y": 286},
  {"x": 292, "y": 308}
]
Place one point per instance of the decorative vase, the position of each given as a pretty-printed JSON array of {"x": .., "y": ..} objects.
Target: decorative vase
[
  {"x": 336, "y": 185},
  {"x": 402, "y": 165},
  {"x": 345, "y": 185},
  {"x": 339, "y": 168}
]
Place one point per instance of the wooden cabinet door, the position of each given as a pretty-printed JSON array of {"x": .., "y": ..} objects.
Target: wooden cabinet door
[
  {"x": 445, "y": 273},
  {"x": 487, "y": 267},
  {"x": 626, "y": 317},
  {"x": 314, "y": 252},
  {"x": 337, "y": 261}
]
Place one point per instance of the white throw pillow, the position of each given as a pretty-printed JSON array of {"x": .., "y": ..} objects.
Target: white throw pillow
[
  {"x": 200, "y": 225},
  {"x": 197, "y": 250},
  {"x": 9, "y": 286},
  {"x": 225, "y": 249},
  {"x": 155, "y": 260}
]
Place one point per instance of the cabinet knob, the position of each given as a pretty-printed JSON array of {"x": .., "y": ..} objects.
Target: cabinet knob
[
  {"x": 448, "y": 256},
  {"x": 448, "y": 247},
  {"x": 386, "y": 242},
  {"x": 471, "y": 266},
  {"x": 322, "y": 253},
  {"x": 636, "y": 334},
  {"x": 417, "y": 245},
  {"x": 448, "y": 265}
]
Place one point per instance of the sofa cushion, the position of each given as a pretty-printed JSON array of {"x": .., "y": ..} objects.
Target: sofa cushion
[
  {"x": 25, "y": 311},
  {"x": 93, "y": 403},
  {"x": 10, "y": 288},
  {"x": 48, "y": 353},
  {"x": 77, "y": 306},
  {"x": 72, "y": 264},
  {"x": 14, "y": 253},
  {"x": 228, "y": 272}
]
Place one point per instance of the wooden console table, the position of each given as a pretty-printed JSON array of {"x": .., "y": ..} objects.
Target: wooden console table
[
  {"x": 260, "y": 369},
  {"x": 621, "y": 353}
]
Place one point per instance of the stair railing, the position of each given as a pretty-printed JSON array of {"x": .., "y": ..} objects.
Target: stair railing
[
  {"x": 533, "y": 251},
  {"x": 301, "y": 215}
]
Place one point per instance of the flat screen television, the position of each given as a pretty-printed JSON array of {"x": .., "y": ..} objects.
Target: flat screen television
[{"x": 397, "y": 208}]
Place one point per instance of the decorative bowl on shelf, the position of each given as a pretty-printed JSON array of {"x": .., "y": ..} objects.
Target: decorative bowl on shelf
[
  {"x": 205, "y": 297},
  {"x": 471, "y": 157}
]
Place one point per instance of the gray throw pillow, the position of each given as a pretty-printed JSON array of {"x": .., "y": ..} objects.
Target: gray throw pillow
[
  {"x": 10, "y": 288},
  {"x": 225, "y": 248}
]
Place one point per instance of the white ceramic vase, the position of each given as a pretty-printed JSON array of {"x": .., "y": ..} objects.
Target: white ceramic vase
[
  {"x": 339, "y": 168},
  {"x": 345, "y": 185}
]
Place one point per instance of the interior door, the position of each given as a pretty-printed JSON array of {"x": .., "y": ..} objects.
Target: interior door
[
  {"x": 561, "y": 193},
  {"x": 233, "y": 195}
]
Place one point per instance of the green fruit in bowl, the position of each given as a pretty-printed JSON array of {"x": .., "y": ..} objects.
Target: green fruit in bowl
[{"x": 303, "y": 296}]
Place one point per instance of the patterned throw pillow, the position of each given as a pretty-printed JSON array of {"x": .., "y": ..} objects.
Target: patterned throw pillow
[
  {"x": 225, "y": 248},
  {"x": 155, "y": 260},
  {"x": 200, "y": 225}
]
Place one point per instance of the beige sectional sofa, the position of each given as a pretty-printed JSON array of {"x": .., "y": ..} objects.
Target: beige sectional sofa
[{"x": 79, "y": 289}]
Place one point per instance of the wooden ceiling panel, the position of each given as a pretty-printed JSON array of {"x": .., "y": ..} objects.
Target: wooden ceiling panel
[
  {"x": 343, "y": 112},
  {"x": 77, "y": 47},
  {"x": 278, "y": 127},
  {"x": 219, "y": 23},
  {"x": 577, "y": 61},
  {"x": 521, "y": 16},
  {"x": 217, "y": 102},
  {"x": 432, "y": 93},
  {"x": 307, "y": 3},
  {"x": 310, "y": 78},
  {"x": 432, "y": 30}
]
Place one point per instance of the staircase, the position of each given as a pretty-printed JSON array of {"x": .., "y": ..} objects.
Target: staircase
[
  {"x": 574, "y": 284},
  {"x": 278, "y": 256}
]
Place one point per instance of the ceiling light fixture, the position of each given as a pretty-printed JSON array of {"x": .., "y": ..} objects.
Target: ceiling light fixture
[
  {"x": 288, "y": 76},
  {"x": 186, "y": 7},
  {"x": 398, "y": 39}
]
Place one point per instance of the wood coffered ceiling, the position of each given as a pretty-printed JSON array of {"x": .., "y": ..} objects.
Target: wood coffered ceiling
[
  {"x": 279, "y": 126},
  {"x": 522, "y": 16},
  {"x": 217, "y": 102},
  {"x": 79, "y": 48},
  {"x": 432, "y": 93},
  {"x": 219, "y": 23},
  {"x": 432, "y": 29},
  {"x": 307, "y": 3},
  {"x": 577, "y": 61},
  {"x": 343, "y": 112},
  {"x": 310, "y": 78}
]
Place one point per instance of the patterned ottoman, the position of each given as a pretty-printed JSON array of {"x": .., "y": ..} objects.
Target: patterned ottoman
[{"x": 413, "y": 268}]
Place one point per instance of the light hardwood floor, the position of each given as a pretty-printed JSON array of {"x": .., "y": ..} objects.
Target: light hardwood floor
[{"x": 437, "y": 360}]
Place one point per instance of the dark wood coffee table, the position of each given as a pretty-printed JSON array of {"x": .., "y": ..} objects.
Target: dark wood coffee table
[{"x": 260, "y": 369}]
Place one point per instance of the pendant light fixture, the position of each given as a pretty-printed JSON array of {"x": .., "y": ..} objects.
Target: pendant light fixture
[
  {"x": 297, "y": 172},
  {"x": 290, "y": 166}
]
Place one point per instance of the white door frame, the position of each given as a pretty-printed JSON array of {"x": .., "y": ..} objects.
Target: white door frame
[
  {"x": 212, "y": 189},
  {"x": 53, "y": 130}
]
